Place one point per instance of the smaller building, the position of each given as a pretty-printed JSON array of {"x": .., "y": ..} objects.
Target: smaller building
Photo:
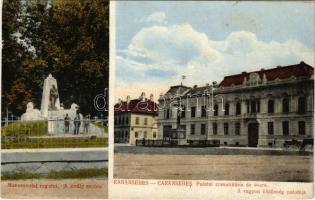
[{"x": 135, "y": 120}]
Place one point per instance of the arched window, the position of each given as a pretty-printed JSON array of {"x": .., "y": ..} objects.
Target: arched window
[
  {"x": 226, "y": 109},
  {"x": 215, "y": 112},
  {"x": 271, "y": 106},
  {"x": 302, "y": 105},
  {"x": 285, "y": 105},
  {"x": 238, "y": 108}
]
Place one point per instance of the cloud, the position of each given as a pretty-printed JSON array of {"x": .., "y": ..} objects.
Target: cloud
[
  {"x": 160, "y": 54},
  {"x": 156, "y": 17}
]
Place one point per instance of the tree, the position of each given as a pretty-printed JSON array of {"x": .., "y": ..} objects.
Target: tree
[{"x": 69, "y": 39}]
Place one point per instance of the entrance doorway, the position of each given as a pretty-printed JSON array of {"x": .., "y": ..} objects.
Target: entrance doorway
[{"x": 253, "y": 131}]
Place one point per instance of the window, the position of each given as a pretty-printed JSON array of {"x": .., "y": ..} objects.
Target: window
[
  {"x": 167, "y": 114},
  {"x": 193, "y": 112},
  {"x": 238, "y": 108},
  {"x": 183, "y": 113},
  {"x": 119, "y": 120},
  {"x": 270, "y": 128},
  {"x": 154, "y": 134},
  {"x": 145, "y": 121},
  {"x": 137, "y": 120},
  {"x": 226, "y": 128},
  {"x": 301, "y": 128},
  {"x": 226, "y": 109},
  {"x": 192, "y": 129},
  {"x": 237, "y": 128},
  {"x": 270, "y": 106},
  {"x": 247, "y": 106},
  {"x": 301, "y": 105},
  {"x": 215, "y": 128},
  {"x": 215, "y": 112},
  {"x": 145, "y": 134},
  {"x": 203, "y": 129},
  {"x": 127, "y": 122},
  {"x": 203, "y": 111},
  {"x": 285, "y": 105},
  {"x": 253, "y": 107},
  {"x": 136, "y": 135},
  {"x": 285, "y": 128}
]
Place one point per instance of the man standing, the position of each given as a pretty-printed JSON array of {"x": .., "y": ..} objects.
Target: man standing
[
  {"x": 67, "y": 123},
  {"x": 86, "y": 123},
  {"x": 77, "y": 123}
]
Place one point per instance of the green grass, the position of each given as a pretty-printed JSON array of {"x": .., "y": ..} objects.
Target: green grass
[
  {"x": 81, "y": 173},
  {"x": 20, "y": 175},
  {"x": 25, "y": 128},
  {"x": 64, "y": 174},
  {"x": 21, "y": 143}
]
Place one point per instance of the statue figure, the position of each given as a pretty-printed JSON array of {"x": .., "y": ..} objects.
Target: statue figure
[{"x": 53, "y": 95}]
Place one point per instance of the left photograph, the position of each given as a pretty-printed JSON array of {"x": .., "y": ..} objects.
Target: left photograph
[{"x": 54, "y": 94}]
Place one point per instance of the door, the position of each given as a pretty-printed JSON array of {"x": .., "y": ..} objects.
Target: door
[{"x": 253, "y": 132}]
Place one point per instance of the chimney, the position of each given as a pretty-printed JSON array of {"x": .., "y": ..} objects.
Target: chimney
[
  {"x": 151, "y": 97},
  {"x": 243, "y": 73},
  {"x": 195, "y": 86},
  {"x": 128, "y": 99}
]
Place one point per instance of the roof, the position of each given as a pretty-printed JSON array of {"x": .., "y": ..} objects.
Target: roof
[
  {"x": 177, "y": 89},
  {"x": 299, "y": 70},
  {"x": 137, "y": 106}
]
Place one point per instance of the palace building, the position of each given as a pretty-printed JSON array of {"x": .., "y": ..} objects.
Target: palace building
[
  {"x": 135, "y": 119},
  {"x": 260, "y": 108}
]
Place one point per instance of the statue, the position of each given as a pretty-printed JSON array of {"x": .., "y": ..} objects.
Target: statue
[
  {"x": 31, "y": 113},
  {"x": 53, "y": 96}
]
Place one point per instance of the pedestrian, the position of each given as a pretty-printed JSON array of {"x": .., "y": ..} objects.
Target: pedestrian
[
  {"x": 86, "y": 123},
  {"x": 67, "y": 123},
  {"x": 77, "y": 123}
]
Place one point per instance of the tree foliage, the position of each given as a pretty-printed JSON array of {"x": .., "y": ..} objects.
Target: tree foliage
[{"x": 67, "y": 38}]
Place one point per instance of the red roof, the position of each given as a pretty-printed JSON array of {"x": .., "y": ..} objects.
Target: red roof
[
  {"x": 299, "y": 70},
  {"x": 137, "y": 106}
]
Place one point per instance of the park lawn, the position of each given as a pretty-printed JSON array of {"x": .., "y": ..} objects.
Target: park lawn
[
  {"x": 25, "y": 128},
  {"x": 36, "y": 143},
  {"x": 63, "y": 174}
]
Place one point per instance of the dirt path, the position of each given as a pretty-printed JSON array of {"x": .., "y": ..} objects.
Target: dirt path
[
  {"x": 214, "y": 167},
  {"x": 45, "y": 188}
]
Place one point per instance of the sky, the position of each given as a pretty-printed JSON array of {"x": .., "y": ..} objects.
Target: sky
[{"x": 159, "y": 42}]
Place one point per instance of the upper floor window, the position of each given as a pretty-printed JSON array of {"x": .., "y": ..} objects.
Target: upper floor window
[
  {"x": 193, "y": 112},
  {"x": 203, "y": 111},
  {"x": 183, "y": 112},
  {"x": 203, "y": 129},
  {"x": 226, "y": 109},
  {"x": 216, "y": 109},
  {"x": 136, "y": 135},
  {"x": 154, "y": 134},
  {"x": 270, "y": 128},
  {"x": 167, "y": 114},
  {"x": 145, "y": 121},
  {"x": 302, "y": 105},
  {"x": 285, "y": 128},
  {"x": 301, "y": 128},
  {"x": 238, "y": 108},
  {"x": 145, "y": 135},
  {"x": 137, "y": 120},
  {"x": 285, "y": 105},
  {"x": 226, "y": 128},
  {"x": 271, "y": 106},
  {"x": 215, "y": 128}
]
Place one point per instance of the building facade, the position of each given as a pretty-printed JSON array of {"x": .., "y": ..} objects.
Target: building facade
[
  {"x": 135, "y": 120},
  {"x": 260, "y": 108}
]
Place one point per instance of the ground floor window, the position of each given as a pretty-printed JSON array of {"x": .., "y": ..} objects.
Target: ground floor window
[
  {"x": 203, "y": 129},
  {"x": 192, "y": 129},
  {"x": 215, "y": 128},
  {"x": 226, "y": 128},
  {"x": 301, "y": 128},
  {"x": 237, "y": 128},
  {"x": 285, "y": 128},
  {"x": 270, "y": 128}
]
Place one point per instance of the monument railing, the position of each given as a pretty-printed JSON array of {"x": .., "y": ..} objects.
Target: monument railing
[{"x": 54, "y": 133}]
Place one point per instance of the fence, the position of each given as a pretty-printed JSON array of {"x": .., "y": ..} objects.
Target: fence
[
  {"x": 174, "y": 143},
  {"x": 54, "y": 133}
]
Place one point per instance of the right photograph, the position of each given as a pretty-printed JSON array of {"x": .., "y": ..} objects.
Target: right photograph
[{"x": 218, "y": 91}]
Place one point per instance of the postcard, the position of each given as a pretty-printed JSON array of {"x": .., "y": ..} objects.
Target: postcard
[
  {"x": 54, "y": 118},
  {"x": 212, "y": 99}
]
